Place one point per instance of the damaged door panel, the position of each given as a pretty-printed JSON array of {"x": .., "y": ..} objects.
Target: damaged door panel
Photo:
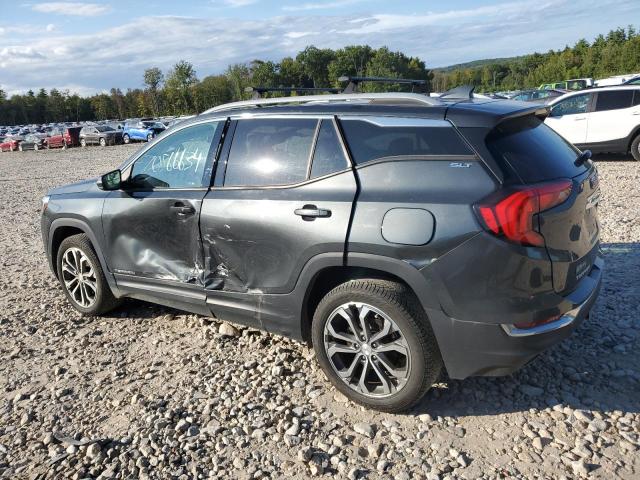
[
  {"x": 151, "y": 225},
  {"x": 270, "y": 215}
]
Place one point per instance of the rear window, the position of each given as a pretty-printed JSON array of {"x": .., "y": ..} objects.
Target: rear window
[
  {"x": 369, "y": 141},
  {"x": 614, "y": 100},
  {"x": 533, "y": 150}
]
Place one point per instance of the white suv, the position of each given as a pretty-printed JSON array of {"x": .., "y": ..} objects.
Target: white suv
[{"x": 600, "y": 119}]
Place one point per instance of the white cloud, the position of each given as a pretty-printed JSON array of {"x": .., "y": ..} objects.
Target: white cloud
[
  {"x": 318, "y": 6},
  {"x": 50, "y": 28},
  {"x": 239, "y": 3},
  {"x": 72, "y": 8}
]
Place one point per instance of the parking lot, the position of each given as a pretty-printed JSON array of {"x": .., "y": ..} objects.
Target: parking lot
[{"x": 152, "y": 392}]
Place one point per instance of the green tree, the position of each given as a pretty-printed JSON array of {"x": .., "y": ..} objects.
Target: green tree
[{"x": 178, "y": 87}]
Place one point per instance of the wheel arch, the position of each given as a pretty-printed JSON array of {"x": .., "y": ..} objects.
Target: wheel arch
[
  {"x": 322, "y": 276},
  {"x": 65, "y": 227}
]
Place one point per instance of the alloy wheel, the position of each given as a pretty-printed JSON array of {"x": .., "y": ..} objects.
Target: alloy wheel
[
  {"x": 79, "y": 277},
  {"x": 367, "y": 350}
]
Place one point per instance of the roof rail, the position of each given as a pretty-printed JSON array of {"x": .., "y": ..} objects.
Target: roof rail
[
  {"x": 258, "y": 91},
  {"x": 352, "y": 87},
  {"x": 383, "y": 98},
  {"x": 463, "y": 92}
]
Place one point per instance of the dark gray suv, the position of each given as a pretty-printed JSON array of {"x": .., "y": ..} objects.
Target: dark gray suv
[{"x": 402, "y": 235}]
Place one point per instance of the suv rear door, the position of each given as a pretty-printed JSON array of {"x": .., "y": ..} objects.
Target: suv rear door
[
  {"x": 615, "y": 115},
  {"x": 283, "y": 193}
]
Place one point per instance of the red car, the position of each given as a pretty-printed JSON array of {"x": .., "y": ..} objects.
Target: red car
[
  {"x": 9, "y": 144},
  {"x": 64, "y": 137}
]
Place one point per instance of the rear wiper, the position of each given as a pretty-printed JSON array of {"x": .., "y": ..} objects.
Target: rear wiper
[{"x": 583, "y": 157}]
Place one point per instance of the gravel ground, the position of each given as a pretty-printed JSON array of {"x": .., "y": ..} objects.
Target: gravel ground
[{"x": 150, "y": 392}]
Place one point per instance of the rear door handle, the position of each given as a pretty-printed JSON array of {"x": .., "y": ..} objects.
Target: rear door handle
[
  {"x": 310, "y": 212},
  {"x": 183, "y": 210}
]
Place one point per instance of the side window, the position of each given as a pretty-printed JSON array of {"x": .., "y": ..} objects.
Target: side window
[
  {"x": 614, "y": 100},
  {"x": 178, "y": 161},
  {"x": 369, "y": 140},
  {"x": 572, "y": 105},
  {"x": 328, "y": 156},
  {"x": 636, "y": 97},
  {"x": 272, "y": 151}
]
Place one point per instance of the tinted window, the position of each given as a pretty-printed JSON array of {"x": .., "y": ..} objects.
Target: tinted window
[
  {"x": 614, "y": 100},
  {"x": 328, "y": 156},
  {"x": 368, "y": 141},
  {"x": 572, "y": 105},
  {"x": 104, "y": 129},
  {"x": 271, "y": 151},
  {"x": 636, "y": 97},
  {"x": 178, "y": 161},
  {"x": 533, "y": 150}
]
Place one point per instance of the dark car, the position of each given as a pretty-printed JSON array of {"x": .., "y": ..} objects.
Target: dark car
[
  {"x": 33, "y": 141},
  {"x": 633, "y": 81},
  {"x": 401, "y": 235},
  {"x": 63, "y": 137},
  {"x": 539, "y": 96},
  {"x": 99, "y": 135}
]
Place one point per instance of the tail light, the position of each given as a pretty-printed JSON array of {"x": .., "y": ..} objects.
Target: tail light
[{"x": 510, "y": 213}]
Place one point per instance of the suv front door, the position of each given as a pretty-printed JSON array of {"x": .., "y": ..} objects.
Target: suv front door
[
  {"x": 283, "y": 193},
  {"x": 569, "y": 118},
  {"x": 151, "y": 225}
]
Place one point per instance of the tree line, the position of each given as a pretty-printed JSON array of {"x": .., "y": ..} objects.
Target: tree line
[
  {"x": 616, "y": 53},
  {"x": 179, "y": 91}
]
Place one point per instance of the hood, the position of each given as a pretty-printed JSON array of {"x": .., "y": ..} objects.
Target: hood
[{"x": 77, "y": 187}]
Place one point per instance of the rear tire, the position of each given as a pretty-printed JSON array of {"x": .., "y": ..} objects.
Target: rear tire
[
  {"x": 103, "y": 142},
  {"x": 401, "y": 364},
  {"x": 126, "y": 139},
  {"x": 35, "y": 147},
  {"x": 635, "y": 148},
  {"x": 20, "y": 147},
  {"x": 149, "y": 137},
  {"x": 82, "y": 278},
  {"x": 83, "y": 143}
]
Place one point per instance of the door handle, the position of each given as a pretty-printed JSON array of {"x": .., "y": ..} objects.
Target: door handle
[
  {"x": 579, "y": 119},
  {"x": 183, "y": 210},
  {"x": 311, "y": 212}
]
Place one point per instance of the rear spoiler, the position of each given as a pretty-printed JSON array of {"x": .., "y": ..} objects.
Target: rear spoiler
[{"x": 490, "y": 113}]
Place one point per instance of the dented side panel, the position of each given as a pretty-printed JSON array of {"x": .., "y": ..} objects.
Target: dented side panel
[
  {"x": 254, "y": 242},
  {"x": 148, "y": 234}
]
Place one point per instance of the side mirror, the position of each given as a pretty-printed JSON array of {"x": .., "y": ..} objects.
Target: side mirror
[{"x": 111, "y": 180}]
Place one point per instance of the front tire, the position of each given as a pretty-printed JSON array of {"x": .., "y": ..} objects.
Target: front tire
[
  {"x": 103, "y": 142},
  {"x": 149, "y": 137},
  {"x": 20, "y": 147},
  {"x": 82, "y": 278},
  {"x": 126, "y": 139},
  {"x": 635, "y": 148},
  {"x": 35, "y": 147},
  {"x": 83, "y": 143},
  {"x": 374, "y": 342}
]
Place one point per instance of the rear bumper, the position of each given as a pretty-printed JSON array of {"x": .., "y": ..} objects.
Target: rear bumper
[{"x": 472, "y": 348}]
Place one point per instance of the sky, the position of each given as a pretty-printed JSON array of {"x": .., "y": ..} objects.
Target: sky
[{"x": 89, "y": 47}]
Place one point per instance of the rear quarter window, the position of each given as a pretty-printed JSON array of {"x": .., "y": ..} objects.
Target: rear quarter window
[
  {"x": 369, "y": 141},
  {"x": 533, "y": 150},
  {"x": 614, "y": 100}
]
